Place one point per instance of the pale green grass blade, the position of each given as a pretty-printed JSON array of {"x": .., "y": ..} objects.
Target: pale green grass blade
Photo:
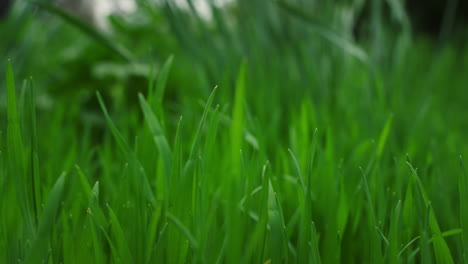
[
  {"x": 237, "y": 125},
  {"x": 39, "y": 249},
  {"x": 93, "y": 33},
  {"x": 383, "y": 136}
]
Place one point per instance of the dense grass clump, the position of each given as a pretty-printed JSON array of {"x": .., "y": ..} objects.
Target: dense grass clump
[{"x": 265, "y": 133}]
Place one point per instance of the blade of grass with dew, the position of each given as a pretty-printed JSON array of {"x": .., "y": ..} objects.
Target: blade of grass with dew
[
  {"x": 128, "y": 152},
  {"x": 99, "y": 256},
  {"x": 441, "y": 249},
  {"x": 94, "y": 209},
  {"x": 39, "y": 249},
  {"x": 93, "y": 33}
]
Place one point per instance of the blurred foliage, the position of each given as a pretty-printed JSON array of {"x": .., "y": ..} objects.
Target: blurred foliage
[{"x": 328, "y": 108}]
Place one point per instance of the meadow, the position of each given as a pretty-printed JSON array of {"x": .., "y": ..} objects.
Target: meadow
[{"x": 271, "y": 132}]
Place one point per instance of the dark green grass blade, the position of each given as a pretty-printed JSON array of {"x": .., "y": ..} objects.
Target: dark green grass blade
[
  {"x": 298, "y": 171},
  {"x": 35, "y": 173},
  {"x": 391, "y": 255},
  {"x": 159, "y": 138},
  {"x": 96, "y": 221},
  {"x": 278, "y": 237},
  {"x": 162, "y": 80},
  {"x": 183, "y": 230},
  {"x": 156, "y": 91},
  {"x": 196, "y": 138},
  {"x": 16, "y": 153},
  {"x": 463, "y": 188},
  {"x": 93, "y": 33},
  {"x": 125, "y": 148},
  {"x": 119, "y": 238},
  {"x": 376, "y": 253},
  {"x": 441, "y": 249},
  {"x": 326, "y": 33},
  {"x": 39, "y": 249}
]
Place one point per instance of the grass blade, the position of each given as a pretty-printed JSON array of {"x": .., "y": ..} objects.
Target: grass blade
[
  {"x": 159, "y": 138},
  {"x": 184, "y": 230},
  {"x": 463, "y": 189},
  {"x": 298, "y": 171},
  {"x": 384, "y": 135},
  {"x": 125, "y": 148},
  {"x": 200, "y": 125},
  {"x": 441, "y": 249},
  {"x": 119, "y": 237},
  {"x": 16, "y": 153},
  {"x": 237, "y": 125},
  {"x": 99, "y": 37},
  {"x": 326, "y": 33},
  {"x": 39, "y": 249}
]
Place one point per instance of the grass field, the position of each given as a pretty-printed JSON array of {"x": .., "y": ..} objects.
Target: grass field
[{"x": 266, "y": 134}]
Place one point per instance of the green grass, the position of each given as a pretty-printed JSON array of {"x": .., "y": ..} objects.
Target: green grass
[{"x": 266, "y": 134}]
